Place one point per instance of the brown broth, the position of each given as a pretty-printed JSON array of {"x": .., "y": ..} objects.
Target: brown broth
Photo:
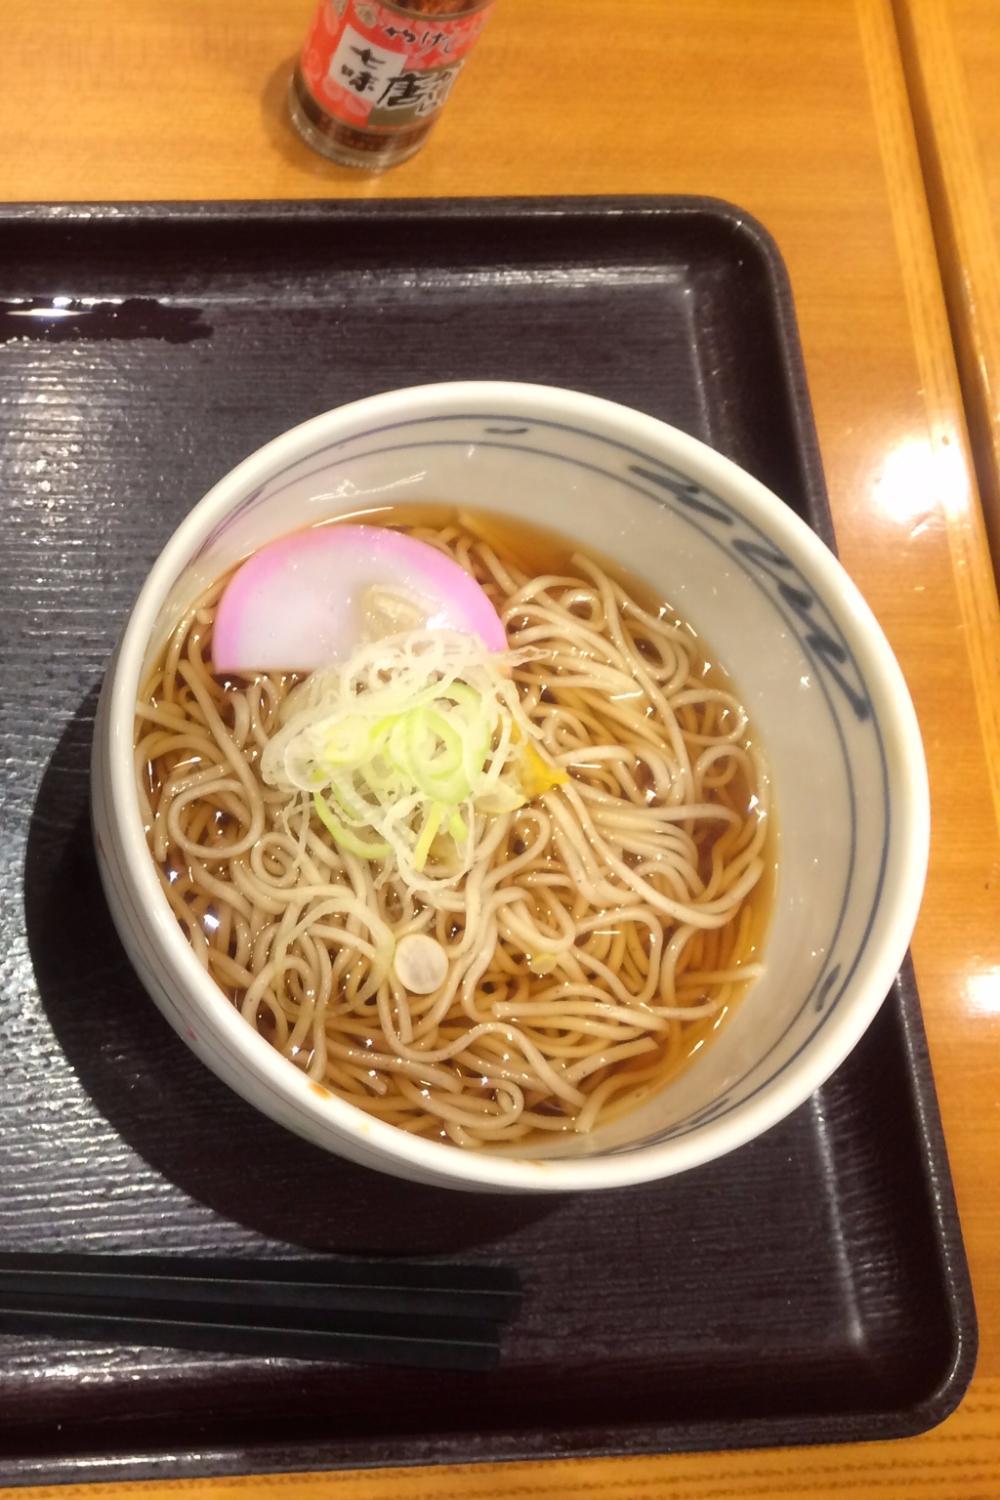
[
  {"x": 539, "y": 550},
  {"x": 536, "y": 551}
]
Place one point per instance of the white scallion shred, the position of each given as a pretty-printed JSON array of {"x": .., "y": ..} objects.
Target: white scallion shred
[{"x": 407, "y": 750}]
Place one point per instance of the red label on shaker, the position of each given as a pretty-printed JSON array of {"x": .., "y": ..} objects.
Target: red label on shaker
[{"x": 372, "y": 65}]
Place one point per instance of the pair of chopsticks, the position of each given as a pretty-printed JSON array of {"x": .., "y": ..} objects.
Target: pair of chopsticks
[{"x": 369, "y": 1311}]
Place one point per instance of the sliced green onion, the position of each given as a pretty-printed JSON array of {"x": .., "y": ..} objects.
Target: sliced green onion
[
  {"x": 457, "y": 826},
  {"x": 428, "y": 834},
  {"x": 348, "y": 742},
  {"x": 363, "y": 848},
  {"x": 417, "y": 738}
]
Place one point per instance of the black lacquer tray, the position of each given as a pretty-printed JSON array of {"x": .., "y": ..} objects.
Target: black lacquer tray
[{"x": 812, "y": 1287}]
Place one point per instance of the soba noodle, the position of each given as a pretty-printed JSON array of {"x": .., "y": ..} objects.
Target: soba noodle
[{"x": 604, "y": 929}]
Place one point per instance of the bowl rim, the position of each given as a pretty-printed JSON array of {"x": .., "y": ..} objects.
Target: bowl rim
[{"x": 408, "y": 1154}]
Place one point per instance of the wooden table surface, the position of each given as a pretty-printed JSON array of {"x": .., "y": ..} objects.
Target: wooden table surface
[
  {"x": 800, "y": 114},
  {"x": 951, "y": 53}
]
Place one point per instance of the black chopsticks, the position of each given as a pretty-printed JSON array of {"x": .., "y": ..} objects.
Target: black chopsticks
[{"x": 430, "y": 1314}]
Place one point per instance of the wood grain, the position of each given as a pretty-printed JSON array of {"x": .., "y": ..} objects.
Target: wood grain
[
  {"x": 951, "y": 52},
  {"x": 800, "y": 114}
]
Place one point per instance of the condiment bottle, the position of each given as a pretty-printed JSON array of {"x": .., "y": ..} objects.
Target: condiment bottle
[{"x": 374, "y": 75}]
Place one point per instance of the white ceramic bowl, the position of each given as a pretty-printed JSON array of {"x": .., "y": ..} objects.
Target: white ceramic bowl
[{"x": 823, "y": 689}]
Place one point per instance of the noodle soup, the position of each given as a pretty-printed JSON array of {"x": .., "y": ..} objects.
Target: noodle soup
[{"x": 488, "y": 896}]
